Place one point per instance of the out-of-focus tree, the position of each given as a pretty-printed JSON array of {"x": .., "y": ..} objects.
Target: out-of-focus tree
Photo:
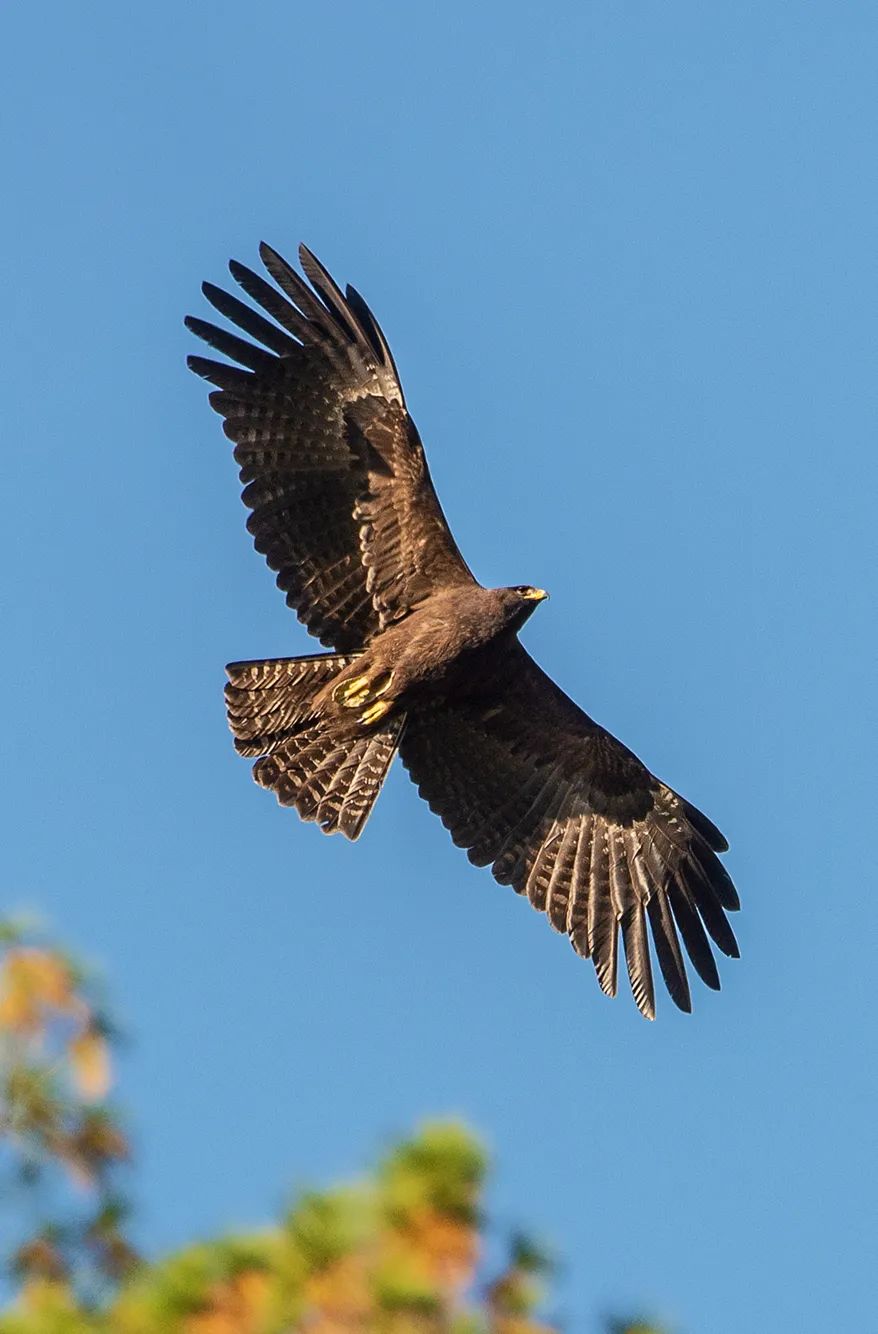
[
  {"x": 399, "y": 1252},
  {"x": 631, "y": 1327},
  {"x": 61, "y": 1145}
]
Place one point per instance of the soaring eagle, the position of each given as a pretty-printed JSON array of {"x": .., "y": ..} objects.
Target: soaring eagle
[{"x": 425, "y": 661}]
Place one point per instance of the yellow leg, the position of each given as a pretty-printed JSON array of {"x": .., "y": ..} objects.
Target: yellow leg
[{"x": 374, "y": 712}]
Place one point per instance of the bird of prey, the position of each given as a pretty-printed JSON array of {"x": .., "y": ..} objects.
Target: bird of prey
[{"x": 424, "y": 660}]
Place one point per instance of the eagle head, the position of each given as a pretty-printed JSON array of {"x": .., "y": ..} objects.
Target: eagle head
[{"x": 520, "y": 601}]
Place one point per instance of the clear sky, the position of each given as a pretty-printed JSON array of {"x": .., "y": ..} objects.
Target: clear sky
[{"x": 625, "y": 256}]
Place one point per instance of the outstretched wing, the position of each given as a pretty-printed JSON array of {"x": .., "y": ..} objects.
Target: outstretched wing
[
  {"x": 294, "y": 406},
  {"x": 570, "y": 818}
]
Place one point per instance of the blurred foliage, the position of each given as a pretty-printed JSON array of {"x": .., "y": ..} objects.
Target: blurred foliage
[
  {"x": 62, "y": 1148},
  {"x": 399, "y": 1252}
]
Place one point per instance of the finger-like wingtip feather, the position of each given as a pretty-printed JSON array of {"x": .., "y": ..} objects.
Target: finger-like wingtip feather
[
  {"x": 712, "y": 836},
  {"x": 694, "y": 937}
]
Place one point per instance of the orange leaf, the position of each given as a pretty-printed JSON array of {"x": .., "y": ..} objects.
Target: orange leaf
[
  {"x": 31, "y": 981},
  {"x": 237, "y": 1306},
  {"x": 90, "y": 1060},
  {"x": 340, "y": 1291}
]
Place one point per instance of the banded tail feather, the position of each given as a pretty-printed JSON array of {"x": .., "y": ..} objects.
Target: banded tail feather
[{"x": 328, "y": 771}]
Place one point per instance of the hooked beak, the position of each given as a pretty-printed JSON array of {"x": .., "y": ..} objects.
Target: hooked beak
[{"x": 536, "y": 594}]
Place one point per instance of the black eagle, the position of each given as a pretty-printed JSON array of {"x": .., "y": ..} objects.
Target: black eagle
[{"x": 425, "y": 661}]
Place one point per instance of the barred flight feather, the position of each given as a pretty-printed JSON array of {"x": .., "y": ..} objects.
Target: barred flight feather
[
  {"x": 558, "y": 888},
  {"x": 247, "y": 319},
  {"x": 577, "y": 908}
]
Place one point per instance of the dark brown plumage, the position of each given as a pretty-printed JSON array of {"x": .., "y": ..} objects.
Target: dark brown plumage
[{"x": 425, "y": 660}]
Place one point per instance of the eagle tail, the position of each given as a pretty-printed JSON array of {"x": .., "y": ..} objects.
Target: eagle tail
[{"x": 328, "y": 772}]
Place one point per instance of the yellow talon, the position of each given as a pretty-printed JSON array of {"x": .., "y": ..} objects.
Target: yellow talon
[
  {"x": 352, "y": 693},
  {"x": 374, "y": 712},
  {"x": 360, "y": 689}
]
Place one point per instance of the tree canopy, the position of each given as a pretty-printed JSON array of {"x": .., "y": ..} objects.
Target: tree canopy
[{"x": 402, "y": 1250}]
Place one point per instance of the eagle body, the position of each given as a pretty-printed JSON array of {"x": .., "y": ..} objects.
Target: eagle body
[
  {"x": 432, "y": 653},
  {"x": 425, "y": 662}
]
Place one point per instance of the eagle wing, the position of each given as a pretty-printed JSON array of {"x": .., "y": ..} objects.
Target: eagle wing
[
  {"x": 342, "y": 506},
  {"x": 570, "y": 818},
  {"x": 407, "y": 547}
]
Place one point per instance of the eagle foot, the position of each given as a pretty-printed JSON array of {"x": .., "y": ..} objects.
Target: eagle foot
[
  {"x": 361, "y": 690},
  {"x": 375, "y": 712}
]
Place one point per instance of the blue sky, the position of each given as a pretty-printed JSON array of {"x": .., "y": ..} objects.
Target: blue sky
[{"x": 625, "y": 255}]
